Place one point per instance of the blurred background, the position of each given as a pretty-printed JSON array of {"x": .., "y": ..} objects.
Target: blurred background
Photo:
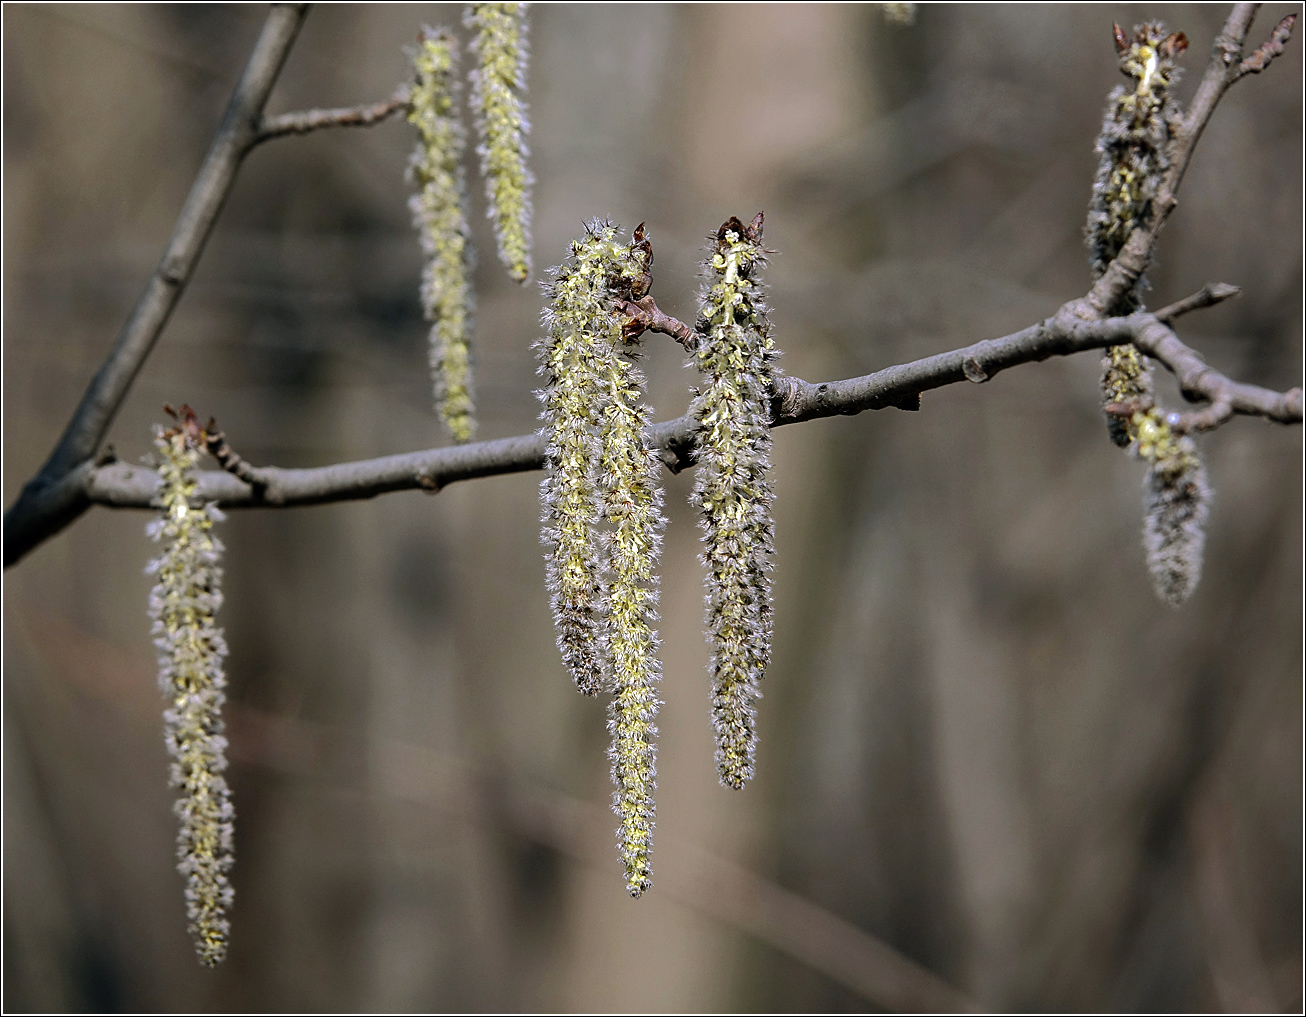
[{"x": 984, "y": 743}]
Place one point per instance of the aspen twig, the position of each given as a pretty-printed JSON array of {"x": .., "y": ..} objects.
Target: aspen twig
[{"x": 122, "y": 485}]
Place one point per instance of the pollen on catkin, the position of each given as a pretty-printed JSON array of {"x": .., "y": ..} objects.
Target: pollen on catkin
[
  {"x": 733, "y": 491},
  {"x": 498, "y": 82},
  {"x": 603, "y": 516},
  {"x": 190, "y": 653},
  {"x": 1176, "y": 503},
  {"x": 577, "y": 322},
  {"x": 439, "y": 214},
  {"x": 1133, "y": 158}
]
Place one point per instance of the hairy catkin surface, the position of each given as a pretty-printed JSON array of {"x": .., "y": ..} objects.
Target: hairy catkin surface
[
  {"x": 1176, "y": 503},
  {"x": 190, "y": 652},
  {"x": 632, "y": 508},
  {"x": 577, "y": 323},
  {"x": 733, "y": 490},
  {"x": 439, "y": 214},
  {"x": 498, "y": 82},
  {"x": 1133, "y": 150},
  {"x": 603, "y": 517},
  {"x": 1137, "y": 131}
]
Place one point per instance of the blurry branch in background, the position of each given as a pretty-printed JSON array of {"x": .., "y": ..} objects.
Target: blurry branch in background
[
  {"x": 706, "y": 882},
  {"x": 709, "y": 884},
  {"x": 122, "y": 485}
]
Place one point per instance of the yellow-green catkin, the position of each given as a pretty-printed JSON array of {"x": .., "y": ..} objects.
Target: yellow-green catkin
[
  {"x": 603, "y": 517},
  {"x": 498, "y": 82},
  {"x": 899, "y": 14},
  {"x": 733, "y": 491},
  {"x": 190, "y": 651},
  {"x": 439, "y": 214},
  {"x": 1137, "y": 131},
  {"x": 1176, "y": 503},
  {"x": 1133, "y": 158},
  {"x": 577, "y": 321},
  {"x": 632, "y": 509}
]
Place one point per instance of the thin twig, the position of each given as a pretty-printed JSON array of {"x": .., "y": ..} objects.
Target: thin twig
[
  {"x": 49, "y": 501},
  {"x": 644, "y": 315},
  {"x": 122, "y": 485},
  {"x": 304, "y": 121},
  {"x": 1208, "y": 296},
  {"x": 1270, "y": 48},
  {"x": 218, "y": 447}
]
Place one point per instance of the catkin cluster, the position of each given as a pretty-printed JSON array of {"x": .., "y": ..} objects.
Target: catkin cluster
[
  {"x": 1136, "y": 134},
  {"x": 439, "y": 214},
  {"x": 190, "y": 651},
  {"x": 603, "y": 514},
  {"x": 1133, "y": 157},
  {"x": 497, "y": 86},
  {"x": 735, "y": 358}
]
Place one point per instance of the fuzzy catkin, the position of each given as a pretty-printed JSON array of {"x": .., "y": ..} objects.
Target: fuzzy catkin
[
  {"x": 603, "y": 517},
  {"x": 190, "y": 652},
  {"x": 632, "y": 508},
  {"x": 733, "y": 491},
  {"x": 578, "y": 321},
  {"x": 1176, "y": 503},
  {"x": 498, "y": 82},
  {"x": 439, "y": 214},
  {"x": 1133, "y": 158}
]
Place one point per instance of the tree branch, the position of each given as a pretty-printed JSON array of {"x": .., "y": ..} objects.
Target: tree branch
[
  {"x": 304, "y": 121},
  {"x": 52, "y": 499},
  {"x": 122, "y": 485}
]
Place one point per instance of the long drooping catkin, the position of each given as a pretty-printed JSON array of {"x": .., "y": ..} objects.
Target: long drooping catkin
[
  {"x": 603, "y": 515},
  {"x": 733, "y": 490},
  {"x": 439, "y": 213},
  {"x": 498, "y": 82},
  {"x": 632, "y": 509},
  {"x": 577, "y": 320},
  {"x": 191, "y": 650}
]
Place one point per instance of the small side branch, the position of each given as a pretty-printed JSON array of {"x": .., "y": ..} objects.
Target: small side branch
[
  {"x": 1269, "y": 49},
  {"x": 305, "y": 121},
  {"x": 215, "y": 442},
  {"x": 1199, "y": 381},
  {"x": 643, "y": 315},
  {"x": 1208, "y": 296}
]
